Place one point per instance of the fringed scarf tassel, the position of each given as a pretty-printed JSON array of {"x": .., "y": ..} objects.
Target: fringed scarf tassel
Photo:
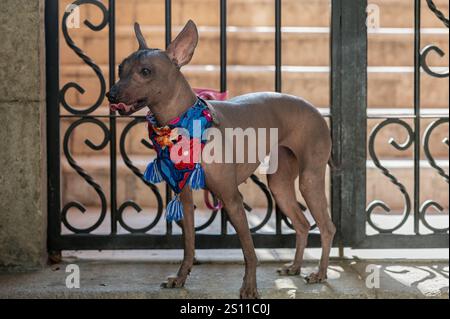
[
  {"x": 174, "y": 212},
  {"x": 152, "y": 173},
  {"x": 197, "y": 179}
]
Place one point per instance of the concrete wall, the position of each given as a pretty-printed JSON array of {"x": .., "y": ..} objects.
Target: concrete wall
[{"x": 23, "y": 212}]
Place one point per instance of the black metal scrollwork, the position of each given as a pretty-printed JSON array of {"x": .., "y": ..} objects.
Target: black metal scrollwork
[
  {"x": 85, "y": 58},
  {"x": 401, "y": 147},
  {"x": 139, "y": 174},
  {"x": 428, "y": 49},
  {"x": 263, "y": 187},
  {"x": 85, "y": 175},
  {"x": 423, "y": 61},
  {"x": 431, "y": 128},
  {"x": 438, "y": 12},
  {"x": 247, "y": 207},
  {"x": 288, "y": 222},
  {"x": 212, "y": 218},
  {"x": 426, "y": 144},
  {"x": 265, "y": 190},
  {"x": 430, "y": 203}
]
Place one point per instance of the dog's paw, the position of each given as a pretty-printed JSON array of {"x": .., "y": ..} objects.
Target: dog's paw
[
  {"x": 174, "y": 282},
  {"x": 249, "y": 292},
  {"x": 316, "y": 278},
  {"x": 289, "y": 270}
]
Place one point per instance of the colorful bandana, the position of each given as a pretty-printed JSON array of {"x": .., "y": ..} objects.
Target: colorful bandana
[{"x": 178, "y": 147}]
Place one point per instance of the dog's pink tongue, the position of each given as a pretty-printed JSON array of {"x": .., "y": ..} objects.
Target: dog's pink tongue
[{"x": 120, "y": 107}]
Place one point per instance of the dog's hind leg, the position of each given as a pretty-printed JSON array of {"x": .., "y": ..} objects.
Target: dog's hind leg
[
  {"x": 187, "y": 225},
  {"x": 312, "y": 186},
  {"x": 282, "y": 185}
]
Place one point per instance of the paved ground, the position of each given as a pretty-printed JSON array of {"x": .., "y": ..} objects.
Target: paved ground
[{"x": 140, "y": 278}]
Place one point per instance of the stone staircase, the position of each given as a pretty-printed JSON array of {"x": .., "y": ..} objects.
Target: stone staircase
[{"x": 251, "y": 58}]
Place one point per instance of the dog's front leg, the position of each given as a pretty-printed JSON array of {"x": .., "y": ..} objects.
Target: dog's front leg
[
  {"x": 187, "y": 225},
  {"x": 222, "y": 182},
  {"x": 236, "y": 213}
]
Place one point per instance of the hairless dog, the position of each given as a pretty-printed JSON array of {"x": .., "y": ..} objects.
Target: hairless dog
[{"x": 152, "y": 78}]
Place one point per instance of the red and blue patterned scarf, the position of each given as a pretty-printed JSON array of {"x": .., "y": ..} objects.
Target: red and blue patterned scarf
[{"x": 178, "y": 147}]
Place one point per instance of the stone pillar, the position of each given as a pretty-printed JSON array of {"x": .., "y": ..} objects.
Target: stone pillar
[{"x": 23, "y": 205}]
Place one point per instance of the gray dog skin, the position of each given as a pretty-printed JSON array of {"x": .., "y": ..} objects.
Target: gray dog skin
[{"x": 152, "y": 78}]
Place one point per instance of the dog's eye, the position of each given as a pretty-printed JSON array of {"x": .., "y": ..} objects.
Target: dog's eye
[{"x": 146, "y": 72}]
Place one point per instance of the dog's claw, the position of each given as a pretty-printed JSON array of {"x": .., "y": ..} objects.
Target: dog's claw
[
  {"x": 174, "y": 282},
  {"x": 315, "y": 278},
  {"x": 249, "y": 293}
]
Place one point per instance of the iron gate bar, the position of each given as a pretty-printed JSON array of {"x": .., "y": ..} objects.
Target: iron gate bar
[
  {"x": 223, "y": 84},
  {"x": 278, "y": 88},
  {"x": 168, "y": 24},
  {"x": 145, "y": 241},
  {"x": 223, "y": 46},
  {"x": 112, "y": 119},
  {"x": 335, "y": 115},
  {"x": 391, "y": 241},
  {"x": 53, "y": 129},
  {"x": 278, "y": 47},
  {"x": 348, "y": 117},
  {"x": 417, "y": 43}
]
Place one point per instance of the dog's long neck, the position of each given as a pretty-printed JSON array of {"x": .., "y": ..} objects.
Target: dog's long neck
[{"x": 180, "y": 98}]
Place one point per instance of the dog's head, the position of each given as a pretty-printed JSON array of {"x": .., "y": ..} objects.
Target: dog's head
[{"x": 145, "y": 77}]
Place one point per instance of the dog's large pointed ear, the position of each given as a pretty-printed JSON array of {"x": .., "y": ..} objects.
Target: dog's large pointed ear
[
  {"x": 181, "y": 50},
  {"x": 140, "y": 37}
]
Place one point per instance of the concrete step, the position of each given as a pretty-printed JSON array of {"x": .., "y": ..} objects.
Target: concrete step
[
  {"x": 393, "y": 13},
  {"x": 305, "y": 46},
  {"x": 389, "y": 87},
  {"x": 74, "y": 188},
  {"x": 142, "y": 280}
]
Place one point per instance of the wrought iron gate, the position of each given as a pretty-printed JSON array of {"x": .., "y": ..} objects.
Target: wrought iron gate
[
  {"x": 422, "y": 233},
  {"x": 348, "y": 119}
]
